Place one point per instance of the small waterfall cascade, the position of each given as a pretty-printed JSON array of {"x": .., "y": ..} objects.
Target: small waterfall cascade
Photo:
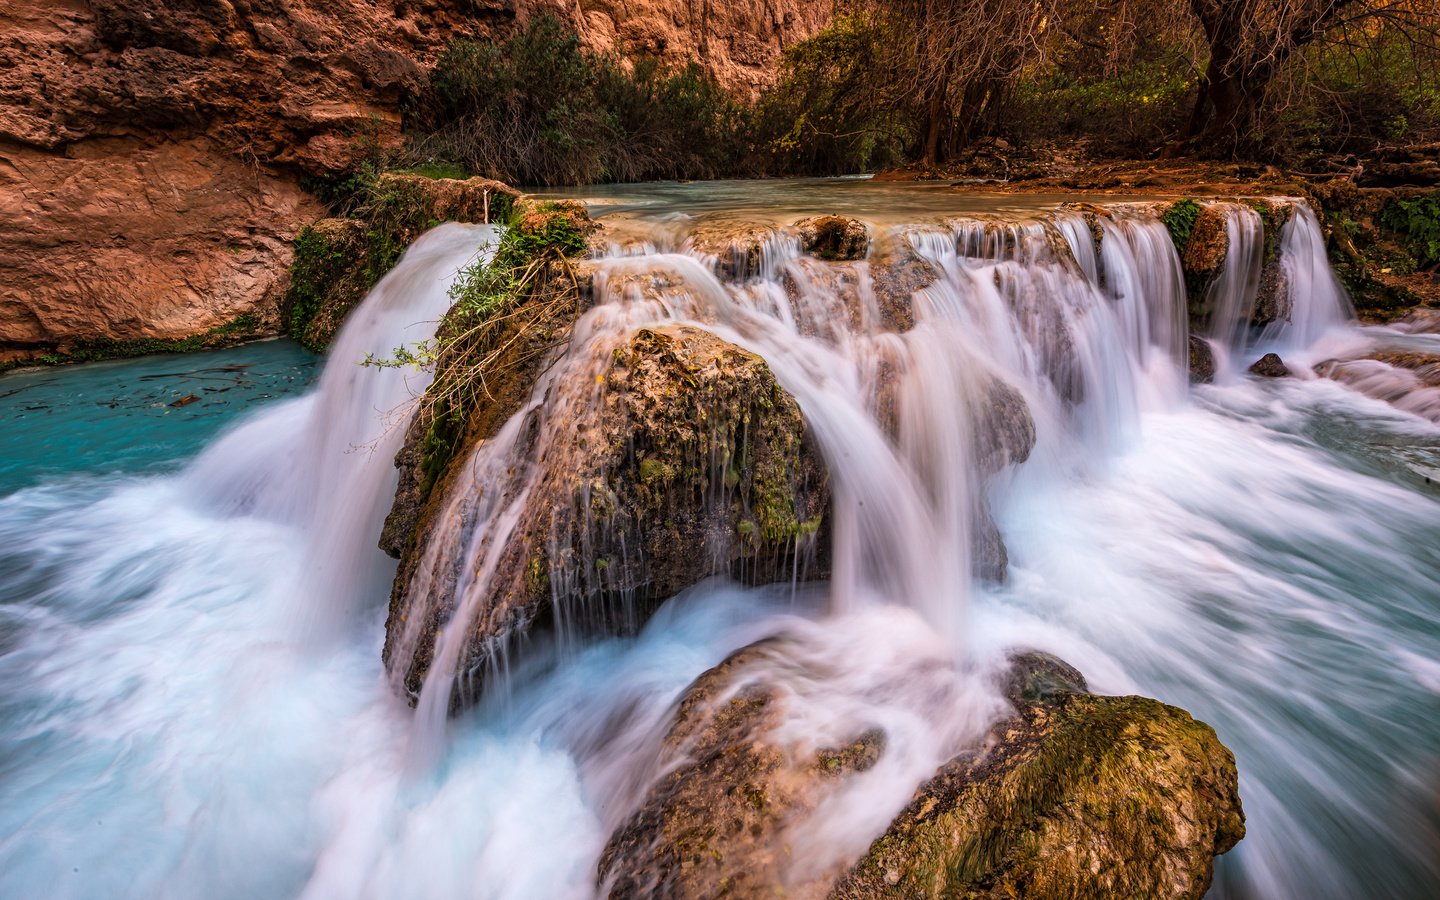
[
  {"x": 1282, "y": 304},
  {"x": 1018, "y": 380},
  {"x": 1230, "y": 298},
  {"x": 325, "y": 462},
  {"x": 1316, "y": 300},
  {"x": 1024, "y": 335}
]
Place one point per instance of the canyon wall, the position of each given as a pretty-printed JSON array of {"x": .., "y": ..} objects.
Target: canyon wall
[{"x": 151, "y": 151}]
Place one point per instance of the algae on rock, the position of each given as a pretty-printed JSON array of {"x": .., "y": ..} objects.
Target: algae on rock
[{"x": 1079, "y": 796}]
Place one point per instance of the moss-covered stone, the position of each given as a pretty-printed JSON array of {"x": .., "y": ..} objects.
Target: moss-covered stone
[
  {"x": 692, "y": 461},
  {"x": 1373, "y": 258},
  {"x": 1079, "y": 796},
  {"x": 716, "y": 823}
]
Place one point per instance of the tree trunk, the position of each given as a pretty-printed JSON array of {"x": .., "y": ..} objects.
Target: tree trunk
[{"x": 935, "y": 114}]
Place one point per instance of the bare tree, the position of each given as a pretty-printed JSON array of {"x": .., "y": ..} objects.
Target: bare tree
[
  {"x": 1252, "y": 41},
  {"x": 956, "y": 58}
]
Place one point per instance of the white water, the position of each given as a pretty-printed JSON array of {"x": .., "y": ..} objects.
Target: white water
[{"x": 172, "y": 730}]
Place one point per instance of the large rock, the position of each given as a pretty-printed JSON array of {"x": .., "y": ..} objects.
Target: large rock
[
  {"x": 834, "y": 237},
  {"x": 1077, "y": 796},
  {"x": 692, "y": 461},
  {"x": 151, "y": 152},
  {"x": 120, "y": 239}
]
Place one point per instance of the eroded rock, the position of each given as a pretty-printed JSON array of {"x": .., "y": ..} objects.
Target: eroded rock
[
  {"x": 834, "y": 237},
  {"x": 1202, "y": 360},
  {"x": 717, "y": 823}
]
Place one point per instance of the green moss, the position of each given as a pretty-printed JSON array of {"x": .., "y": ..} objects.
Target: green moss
[
  {"x": 1180, "y": 218},
  {"x": 653, "y": 470}
]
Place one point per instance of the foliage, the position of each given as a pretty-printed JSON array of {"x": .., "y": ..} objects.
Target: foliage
[
  {"x": 540, "y": 109},
  {"x": 829, "y": 112},
  {"x": 1180, "y": 219},
  {"x": 506, "y": 313},
  {"x": 1419, "y": 220}
]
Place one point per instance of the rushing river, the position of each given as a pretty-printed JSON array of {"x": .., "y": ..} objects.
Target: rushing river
[{"x": 192, "y": 702}]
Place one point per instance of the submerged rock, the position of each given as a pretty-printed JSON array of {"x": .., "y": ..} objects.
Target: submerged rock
[
  {"x": 1202, "y": 360},
  {"x": 692, "y": 461},
  {"x": 834, "y": 237},
  {"x": 1077, "y": 796},
  {"x": 1270, "y": 366}
]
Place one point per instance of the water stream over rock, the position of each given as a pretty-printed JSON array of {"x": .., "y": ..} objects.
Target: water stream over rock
[{"x": 190, "y": 665}]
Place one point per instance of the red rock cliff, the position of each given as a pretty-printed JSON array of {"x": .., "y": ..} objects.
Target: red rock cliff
[{"x": 150, "y": 150}]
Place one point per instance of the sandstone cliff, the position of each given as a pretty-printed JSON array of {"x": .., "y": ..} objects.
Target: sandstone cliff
[{"x": 151, "y": 150}]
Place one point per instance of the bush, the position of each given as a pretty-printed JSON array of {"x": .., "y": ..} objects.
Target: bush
[
  {"x": 539, "y": 109},
  {"x": 831, "y": 112},
  {"x": 1418, "y": 220}
]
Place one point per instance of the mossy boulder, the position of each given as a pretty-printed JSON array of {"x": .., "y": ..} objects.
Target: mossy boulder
[
  {"x": 338, "y": 260},
  {"x": 716, "y": 823},
  {"x": 1077, "y": 796},
  {"x": 1074, "y": 796},
  {"x": 1373, "y": 249},
  {"x": 685, "y": 459},
  {"x": 833, "y": 237}
]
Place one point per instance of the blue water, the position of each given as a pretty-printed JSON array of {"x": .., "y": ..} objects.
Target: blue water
[{"x": 134, "y": 416}]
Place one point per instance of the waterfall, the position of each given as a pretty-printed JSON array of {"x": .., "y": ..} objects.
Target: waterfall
[
  {"x": 1316, "y": 301},
  {"x": 1244, "y": 551},
  {"x": 325, "y": 462}
]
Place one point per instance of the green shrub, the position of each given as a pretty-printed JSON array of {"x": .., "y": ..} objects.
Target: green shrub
[
  {"x": 1180, "y": 219},
  {"x": 540, "y": 109},
  {"x": 1418, "y": 220},
  {"x": 829, "y": 112}
]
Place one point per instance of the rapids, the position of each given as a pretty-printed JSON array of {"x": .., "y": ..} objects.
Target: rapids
[{"x": 191, "y": 691}]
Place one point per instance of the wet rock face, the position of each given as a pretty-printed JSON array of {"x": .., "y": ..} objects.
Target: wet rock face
[
  {"x": 1202, "y": 360},
  {"x": 1074, "y": 796},
  {"x": 694, "y": 462},
  {"x": 716, "y": 824},
  {"x": 1209, "y": 243},
  {"x": 834, "y": 237},
  {"x": 1270, "y": 366},
  {"x": 1078, "y": 796},
  {"x": 1272, "y": 301},
  {"x": 896, "y": 273}
]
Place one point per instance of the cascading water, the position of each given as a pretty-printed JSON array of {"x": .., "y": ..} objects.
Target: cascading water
[{"x": 1248, "y": 554}]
